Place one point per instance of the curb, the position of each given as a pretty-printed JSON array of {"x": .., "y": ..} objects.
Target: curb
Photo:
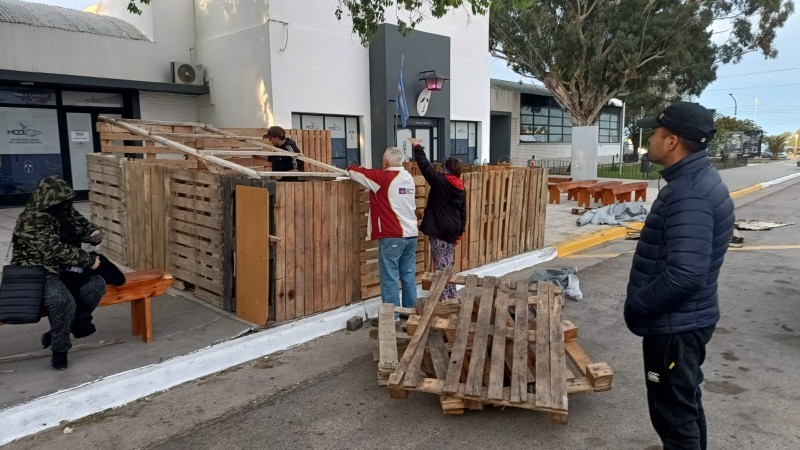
[{"x": 571, "y": 246}]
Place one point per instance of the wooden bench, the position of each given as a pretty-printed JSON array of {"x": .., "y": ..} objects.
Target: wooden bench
[
  {"x": 138, "y": 289},
  {"x": 586, "y": 193},
  {"x": 558, "y": 178},
  {"x": 557, "y": 188},
  {"x": 622, "y": 193}
]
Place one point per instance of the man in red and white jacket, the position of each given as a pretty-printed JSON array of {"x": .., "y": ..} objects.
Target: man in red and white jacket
[{"x": 393, "y": 221}]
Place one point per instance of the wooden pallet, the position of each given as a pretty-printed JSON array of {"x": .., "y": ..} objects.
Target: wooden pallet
[{"x": 514, "y": 349}]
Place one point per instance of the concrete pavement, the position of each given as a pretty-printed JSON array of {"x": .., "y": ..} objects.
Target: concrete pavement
[
  {"x": 27, "y": 382},
  {"x": 323, "y": 394}
]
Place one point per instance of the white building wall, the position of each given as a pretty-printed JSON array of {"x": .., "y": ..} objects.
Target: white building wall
[
  {"x": 175, "y": 107},
  {"x": 233, "y": 43},
  {"x": 49, "y": 50},
  {"x": 318, "y": 65}
]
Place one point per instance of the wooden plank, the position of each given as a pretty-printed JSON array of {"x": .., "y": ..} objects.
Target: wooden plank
[
  {"x": 519, "y": 368},
  {"x": 462, "y": 333},
  {"x": 558, "y": 388},
  {"x": 478, "y": 355},
  {"x": 252, "y": 250},
  {"x": 325, "y": 190},
  {"x": 300, "y": 249},
  {"x": 335, "y": 242},
  {"x": 543, "y": 347},
  {"x": 279, "y": 299},
  {"x": 412, "y": 358},
  {"x": 412, "y": 374},
  {"x": 290, "y": 251},
  {"x": 311, "y": 247},
  {"x": 498, "y": 361},
  {"x": 438, "y": 352},
  {"x": 387, "y": 338},
  {"x": 318, "y": 244}
]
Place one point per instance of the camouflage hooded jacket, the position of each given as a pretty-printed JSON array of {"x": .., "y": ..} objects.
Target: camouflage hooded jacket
[{"x": 48, "y": 232}]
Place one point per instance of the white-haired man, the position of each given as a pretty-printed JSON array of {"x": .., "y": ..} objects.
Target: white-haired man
[{"x": 393, "y": 222}]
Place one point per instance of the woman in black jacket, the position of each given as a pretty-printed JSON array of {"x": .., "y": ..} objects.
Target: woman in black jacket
[{"x": 446, "y": 212}]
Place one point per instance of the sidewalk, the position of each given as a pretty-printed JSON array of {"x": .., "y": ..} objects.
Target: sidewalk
[{"x": 183, "y": 325}]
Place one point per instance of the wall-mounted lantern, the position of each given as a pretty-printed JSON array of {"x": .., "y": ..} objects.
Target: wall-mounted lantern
[{"x": 432, "y": 80}]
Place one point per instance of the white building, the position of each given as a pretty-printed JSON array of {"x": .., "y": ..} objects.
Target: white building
[
  {"x": 527, "y": 123},
  {"x": 264, "y": 62}
]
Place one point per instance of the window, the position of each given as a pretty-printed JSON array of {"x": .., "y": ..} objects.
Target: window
[
  {"x": 464, "y": 140},
  {"x": 609, "y": 125},
  {"x": 345, "y": 135},
  {"x": 543, "y": 120}
]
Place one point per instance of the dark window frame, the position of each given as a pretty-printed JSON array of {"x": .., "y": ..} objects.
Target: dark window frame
[{"x": 325, "y": 127}]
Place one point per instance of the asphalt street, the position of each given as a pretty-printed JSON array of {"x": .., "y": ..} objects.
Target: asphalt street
[{"x": 324, "y": 395}]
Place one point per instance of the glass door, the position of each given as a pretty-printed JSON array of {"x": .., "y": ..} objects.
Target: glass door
[
  {"x": 80, "y": 134},
  {"x": 427, "y": 138}
]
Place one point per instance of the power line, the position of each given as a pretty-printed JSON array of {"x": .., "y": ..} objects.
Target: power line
[
  {"x": 748, "y": 74},
  {"x": 765, "y": 86}
]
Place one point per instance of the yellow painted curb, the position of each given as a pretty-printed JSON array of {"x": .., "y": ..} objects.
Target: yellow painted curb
[
  {"x": 571, "y": 246},
  {"x": 747, "y": 190}
]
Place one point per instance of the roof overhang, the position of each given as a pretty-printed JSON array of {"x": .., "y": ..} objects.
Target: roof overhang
[{"x": 82, "y": 82}]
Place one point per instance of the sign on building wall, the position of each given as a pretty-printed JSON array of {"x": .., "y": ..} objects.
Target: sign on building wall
[
  {"x": 25, "y": 96},
  {"x": 29, "y": 131}
]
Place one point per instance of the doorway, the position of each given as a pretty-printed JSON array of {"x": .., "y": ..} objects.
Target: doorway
[
  {"x": 500, "y": 137},
  {"x": 428, "y": 136}
]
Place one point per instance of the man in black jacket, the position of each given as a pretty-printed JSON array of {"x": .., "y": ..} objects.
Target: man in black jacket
[{"x": 672, "y": 292}]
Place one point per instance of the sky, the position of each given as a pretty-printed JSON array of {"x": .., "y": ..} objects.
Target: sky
[{"x": 775, "y": 82}]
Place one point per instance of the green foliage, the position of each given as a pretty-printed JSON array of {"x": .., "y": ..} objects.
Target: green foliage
[
  {"x": 367, "y": 15},
  {"x": 776, "y": 143},
  {"x": 133, "y": 8},
  {"x": 725, "y": 124}
]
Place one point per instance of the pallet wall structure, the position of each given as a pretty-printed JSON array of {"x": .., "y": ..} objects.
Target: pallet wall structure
[{"x": 171, "y": 212}]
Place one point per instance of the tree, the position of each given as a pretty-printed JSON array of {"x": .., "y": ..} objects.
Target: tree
[
  {"x": 776, "y": 143},
  {"x": 587, "y": 52},
  {"x": 725, "y": 124},
  {"x": 367, "y": 15},
  {"x": 134, "y": 8}
]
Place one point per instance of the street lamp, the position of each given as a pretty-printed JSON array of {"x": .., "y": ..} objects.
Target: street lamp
[{"x": 735, "y": 105}]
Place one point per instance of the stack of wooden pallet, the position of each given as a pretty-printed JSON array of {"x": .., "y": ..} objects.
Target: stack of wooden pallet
[{"x": 504, "y": 343}]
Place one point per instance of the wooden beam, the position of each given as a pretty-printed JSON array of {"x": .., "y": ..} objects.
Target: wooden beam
[
  {"x": 208, "y": 159},
  {"x": 300, "y": 174},
  {"x": 286, "y": 152}
]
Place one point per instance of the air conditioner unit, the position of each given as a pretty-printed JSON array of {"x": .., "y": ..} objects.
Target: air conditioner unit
[{"x": 187, "y": 73}]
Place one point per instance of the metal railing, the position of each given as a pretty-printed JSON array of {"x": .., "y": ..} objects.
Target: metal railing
[{"x": 609, "y": 166}]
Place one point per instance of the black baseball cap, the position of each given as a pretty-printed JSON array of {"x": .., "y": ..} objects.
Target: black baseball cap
[{"x": 687, "y": 120}]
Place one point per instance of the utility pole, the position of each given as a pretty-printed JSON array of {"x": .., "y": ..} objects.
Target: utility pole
[{"x": 735, "y": 105}]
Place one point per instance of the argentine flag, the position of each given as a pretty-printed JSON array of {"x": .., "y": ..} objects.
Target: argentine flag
[{"x": 402, "y": 104}]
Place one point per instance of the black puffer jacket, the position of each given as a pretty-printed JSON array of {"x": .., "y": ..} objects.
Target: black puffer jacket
[
  {"x": 446, "y": 212},
  {"x": 673, "y": 281}
]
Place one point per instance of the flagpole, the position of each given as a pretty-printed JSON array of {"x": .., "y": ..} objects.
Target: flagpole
[{"x": 755, "y": 119}]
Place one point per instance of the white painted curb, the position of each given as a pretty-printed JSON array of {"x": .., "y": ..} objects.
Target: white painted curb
[
  {"x": 767, "y": 184},
  {"x": 122, "y": 388}
]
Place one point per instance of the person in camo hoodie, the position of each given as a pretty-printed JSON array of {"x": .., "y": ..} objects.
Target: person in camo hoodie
[{"x": 48, "y": 234}]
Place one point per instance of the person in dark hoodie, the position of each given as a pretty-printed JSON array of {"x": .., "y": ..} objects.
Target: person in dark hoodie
[
  {"x": 672, "y": 292},
  {"x": 48, "y": 234},
  {"x": 445, "y": 216},
  {"x": 277, "y": 137}
]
